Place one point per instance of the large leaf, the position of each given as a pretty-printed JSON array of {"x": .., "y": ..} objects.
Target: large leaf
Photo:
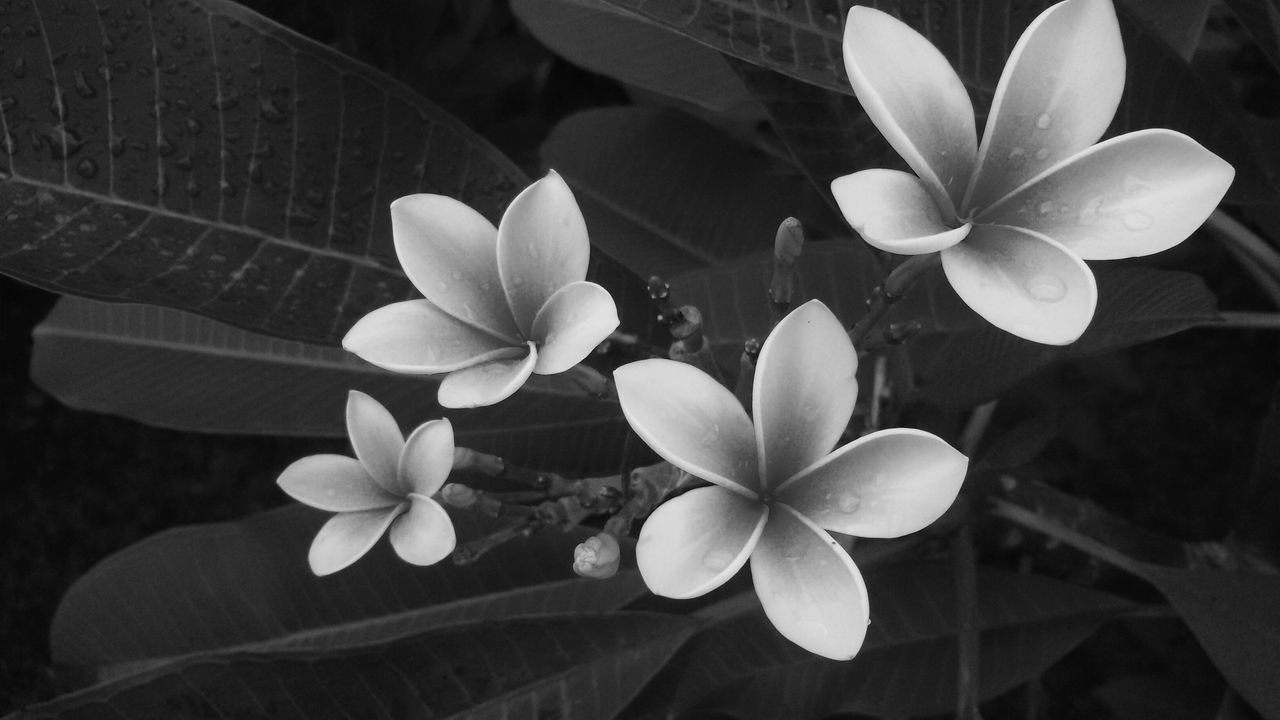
[
  {"x": 664, "y": 193},
  {"x": 603, "y": 39},
  {"x": 1135, "y": 305},
  {"x": 1261, "y": 19},
  {"x": 199, "y": 156},
  {"x": 178, "y": 370},
  {"x": 246, "y": 586},
  {"x": 585, "y": 666},
  {"x": 907, "y": 665}
]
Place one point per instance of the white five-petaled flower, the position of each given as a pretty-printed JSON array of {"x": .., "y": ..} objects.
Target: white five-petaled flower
[
  {"x": 776, "y": 484},
  {"x": 500, "y": 303},
  {"x": 1015, "y": 216},
  {"x": 389, "y": 483}
]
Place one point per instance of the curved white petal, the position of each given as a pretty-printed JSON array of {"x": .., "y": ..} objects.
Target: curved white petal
[
  {"x": 488, "y": 383},
  {"x": 542, "y": 246},
  {"x": 450, "y": 253},
  {"x": 376, "y": 438},
  {"x": 692, "y": 544},
  {"x": 424, "y": 535},
  {"x": 1055, "y": 98},
  {"x": 804, "y": 390},
  {"x": 1132, "y": 195},
  {"x": 810, "y": 589},
  {"x": 577, "y": 318},
  {"x": 917, "y": 101},
  {"x": 348, "y": 536},
  {"x": 417, "y": 337},
  {"x": 427, "y": 458},
  {"x": 1023, "y": 283},
  {"x": 893, "y": 211},
  {"x": 333, "y": 482},
  {"x": 692, "y": 421},
  {"x": 884, "y": 485}
]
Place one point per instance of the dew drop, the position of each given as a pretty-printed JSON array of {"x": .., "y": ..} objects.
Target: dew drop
[
  {"x": 456, "y": 275},
  {"x": 1046, "y": 288},
  {"x": 848, "y": 502},
  {"x": 1042, "y": 153},
  {"x": 1137, "y": 220},
  {"x": 1045, "y": 207},
  {"x": 226, "y": 188},
  {"x": 185, "y": 163},
  {"x": 1089, "y": 214},
  {"x": 1017, "y": 157},
  {"x": 87, "y": 168},
  {"x": 83, "y": 88},
  {"x": 717, "y": 560},
  {"x": 1044, "y": 121}
]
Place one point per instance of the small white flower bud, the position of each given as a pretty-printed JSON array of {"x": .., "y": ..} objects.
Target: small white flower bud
[{"x": 597, "y": 557}]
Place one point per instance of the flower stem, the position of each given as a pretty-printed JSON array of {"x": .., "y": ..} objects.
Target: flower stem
[
  {"x": 888, "y": 293},
  {"x": 1247, "y": 321}
]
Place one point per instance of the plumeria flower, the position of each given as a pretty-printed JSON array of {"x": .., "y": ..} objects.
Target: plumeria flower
[
  {"x": 776, "y": 485},
  {"x": 500, "y": 303},
  {"x": 389, "y": 483},
  {"x": 1015, "y": 215}
]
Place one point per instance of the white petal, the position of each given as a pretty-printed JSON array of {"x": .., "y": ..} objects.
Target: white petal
[
  {"x": 692, "y": 421},
  {"x": 427, "y": 458},
  {"x": 804, "y": 390},
  {"x": 376, "y": 438},
  {"x": 424, "y": 535},
  {"x": 894, "y": 212},
  {"x": 917, "y": 101},
  {"x": 333, "y": 482},
  {"x": 487, "y": 383},
  {"x": 542, "y": 246},
  {"x": 417, "y": 337},
  {"x": 1132, "y": 195},
  {"x": 692, "y": 544},
  {"x": 1055, "y": 98},
  {"x": 810, "y": 589},
  {"x": 884, "y": 485},
  {"x": 348, "y": 536},
  {"x": 450, "y": 252},
  {"x": 577, "y": 318},
  {"x": 1023, "y": 283}
]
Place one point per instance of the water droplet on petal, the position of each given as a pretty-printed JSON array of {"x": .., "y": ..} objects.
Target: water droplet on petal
[
  {"x": 717, "y": 560},
  {"x": 1042, "y": 153},
  {"x": 1017, "y": 157},
  {"x": 1137, "y": 220},
  {"x": 848, "y": 503},
  {"x": 456, "y": 275},
  {"x": 1045, "y": 207},
  {"x": 1046, "y": 288},
  {"x": 1044, "y": 121},
  {"x": 1089, "y": 215}
]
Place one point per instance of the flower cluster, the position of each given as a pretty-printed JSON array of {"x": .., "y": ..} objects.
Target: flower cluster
[{"x": 1015, "y": 215}]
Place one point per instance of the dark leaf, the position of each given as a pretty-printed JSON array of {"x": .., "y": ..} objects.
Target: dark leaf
[
  {"x": 1261, "y": 19},
  {"x": 1135, "y": 305},
  {"x": 1257, "y": 519},
  {"x": 907, "y": 666},
  {"x": 1179, "y": 23},
  {"x": 664, "y": 193},
  {"x": 585, "y": 666},
  {"x": 246, "y": 586}
]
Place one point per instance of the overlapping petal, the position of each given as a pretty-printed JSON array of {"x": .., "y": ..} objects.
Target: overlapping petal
[
  {"x": 908, "y": 89},
  {"x": 1132, "y": 195},
  {"x": 334, "y": 482},
  {"x": 804, "y": 390},
  {"x": 810, "y": 589},
  {"x": 692, "y": 544},
  {"x": 542, "y": 246},
  {"x": 417, "y": 337},
  {"x": 573, "y": 321},
  {"x": 1023, "y": 283},
  {"x": 424, "y": 535},
  {"x": 427, "y": 458},
  {"x": 488, "y": 383},
  {"x": 893, "y": 211},
  {"x": 450, "y": 253},
  {"x": 348, "y": 536},
  {"x": 376, "y": 439},
  {"x": 1056, "y": 97},
  {"x": 885, "y": 485},
  {"x": 690, "y": 420}
]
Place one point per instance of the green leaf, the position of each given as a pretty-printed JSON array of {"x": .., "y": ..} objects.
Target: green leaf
[
  {"x": 633, "y": 50},
  {"x": 246, "y": 586},
  {"x": 664, "y": 193},
  {"x": 199, "y": 156},
  {"x": 174, "y": 369},
  {"x": 1135, "y": 305},
  {"x": 734, "y": 299},
  {"x": 907, "y": 665},
  {"x": 585, "y": 666}
]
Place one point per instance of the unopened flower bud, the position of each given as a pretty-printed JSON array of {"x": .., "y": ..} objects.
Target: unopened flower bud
[
  {"x": 597, "y": 557},
  {"x": 459, "y": 496}
]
